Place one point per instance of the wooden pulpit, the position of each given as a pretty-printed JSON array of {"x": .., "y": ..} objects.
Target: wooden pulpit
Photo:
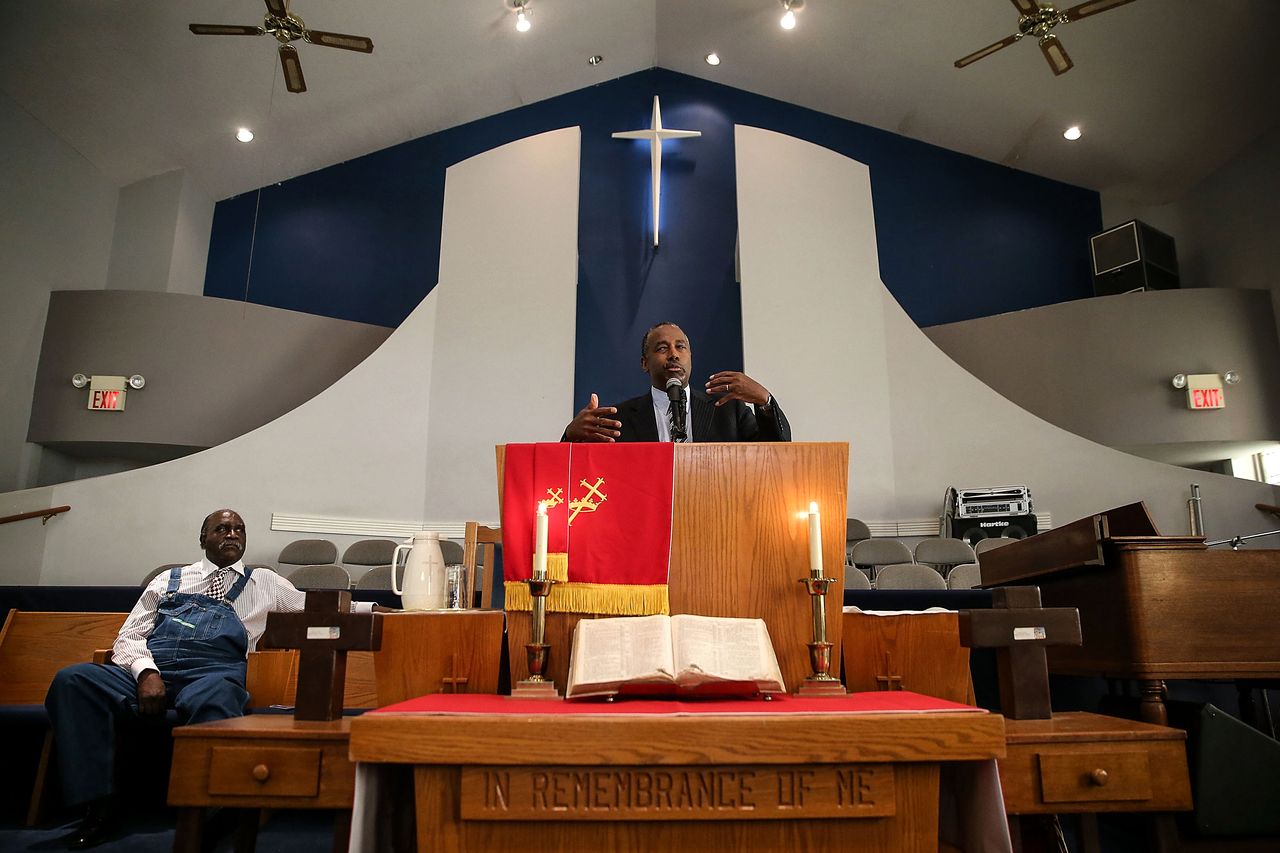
[{"x": 739, "y": 547}]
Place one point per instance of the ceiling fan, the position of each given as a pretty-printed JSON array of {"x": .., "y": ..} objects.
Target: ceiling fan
[
  {"x": 1037, "y": 20},
  {"x": 287, "y": 27}
]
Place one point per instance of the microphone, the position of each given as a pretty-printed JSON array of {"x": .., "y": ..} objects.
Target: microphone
[{"x": 675, "y": 393}]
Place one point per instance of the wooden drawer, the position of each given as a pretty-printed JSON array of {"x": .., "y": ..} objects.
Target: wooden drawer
[
  {"x": 1092, "y": 776},
  {"x": 291, "y": 771}
]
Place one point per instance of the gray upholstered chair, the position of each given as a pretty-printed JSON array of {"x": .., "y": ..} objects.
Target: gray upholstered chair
[
  {"x": 151, "y": 575},
  {"x": 909, "y": 576},
  {"x": 964, "y": 576},
  {"x": 379, "y": 577},
  {"x": 855, "y": 578},
  {"x": 942, "y": 553},
  {"x": 871, "y": 553},
  {"x": 369, "y": 552},
  {"x": 320, "y": 577},
  {"x": 308, "y": 552},
  {"x": 994, "y": 542},
  {"x": 854, "y": 532},
  {"x": 452, "y": 552}
]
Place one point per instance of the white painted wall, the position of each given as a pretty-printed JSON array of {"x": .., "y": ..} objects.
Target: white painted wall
[
  {"x": 850, "y": 365},
  {"x": 408, "y": 431},
  {"x": 161, "y": 239},
  {"x": 55, "y": 234}
]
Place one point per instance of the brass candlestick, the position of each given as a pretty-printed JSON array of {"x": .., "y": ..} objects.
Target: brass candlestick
[
  {"x": 537, "y": 686},
  {"x": 821, "y": 683}
]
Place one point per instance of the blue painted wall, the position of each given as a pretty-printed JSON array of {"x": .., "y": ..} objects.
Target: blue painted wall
[{"x": 958, "y": 237}]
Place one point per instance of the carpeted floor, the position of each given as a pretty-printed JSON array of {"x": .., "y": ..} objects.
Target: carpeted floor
[{"x": 152, "y": 832}]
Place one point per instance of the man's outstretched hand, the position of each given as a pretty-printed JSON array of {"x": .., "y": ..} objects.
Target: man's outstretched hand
[
  {"x": 592, "y": 423},
  {"x": 151, "y": 693},
  {"x": 731, "y": 385}
]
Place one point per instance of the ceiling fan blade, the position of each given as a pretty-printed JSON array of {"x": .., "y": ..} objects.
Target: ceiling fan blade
[
  {"x": 1055, "y": 54},
  {"x": 1092, "y": 7},
  {"x": 278, "y": 8},
  {"x": 360, "y": 43},
  {"x": 1026, "y": 7},
  {"x": 224, "y": 30},
  {"x": 292, "y": 65},
  {"x": 987, "y": 51}
]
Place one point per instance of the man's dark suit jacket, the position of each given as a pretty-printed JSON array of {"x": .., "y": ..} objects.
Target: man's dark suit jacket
[{"x": 734, "y": 421}]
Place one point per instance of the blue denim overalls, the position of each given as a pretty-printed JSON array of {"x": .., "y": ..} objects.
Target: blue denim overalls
[{"x": 195, "y": 638}]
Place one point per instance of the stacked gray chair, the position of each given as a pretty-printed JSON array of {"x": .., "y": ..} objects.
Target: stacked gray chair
[
  {"x": 985, "y": 545},
  {"x": 307, "y": 552},
  {"x": 855, "y": 578},
  {"x": 909, "y": 576},
  {"x": 366, "y": 556},
  {"x": 320, "y": 577},
  {"x": 943, "y": 553},
  {"x": 855, "y": 531},
  {"x": 871, "y": 553},
  {"x": 964, "y": 576}
]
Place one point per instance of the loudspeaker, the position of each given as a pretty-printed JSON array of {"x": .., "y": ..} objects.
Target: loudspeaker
[
  {"x": 1133, "y": 256},
  {"x": 993, "y": 527}
]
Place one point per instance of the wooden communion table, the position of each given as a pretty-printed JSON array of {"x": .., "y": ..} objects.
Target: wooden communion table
[{"x": 492, "y": 773}]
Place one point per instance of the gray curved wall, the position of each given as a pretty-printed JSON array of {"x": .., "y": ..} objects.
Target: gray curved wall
[
  {"x": 254, "y": 363},
  {"x": 1100, "y": 368}
]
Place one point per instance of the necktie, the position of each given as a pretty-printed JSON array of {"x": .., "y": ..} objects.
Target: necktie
[
  {"x": 679, "y": 431},
  {"x": 218, "y": 584}
]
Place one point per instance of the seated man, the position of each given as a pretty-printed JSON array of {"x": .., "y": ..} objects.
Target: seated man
[
  {"x": 184, "y": 646},
  {"x": 666, "y": 356}
]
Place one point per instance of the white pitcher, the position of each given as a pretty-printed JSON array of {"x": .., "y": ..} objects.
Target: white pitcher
[{"x": 425, "y": 581}]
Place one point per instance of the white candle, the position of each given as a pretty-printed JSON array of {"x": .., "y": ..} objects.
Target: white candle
[
  {"x": 815, "y": 540},
  {"x": 540, "y": 546}
]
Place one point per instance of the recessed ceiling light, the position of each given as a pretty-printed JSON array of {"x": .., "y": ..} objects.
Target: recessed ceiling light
[
  {"x": 712, "y": 58},
  {"x": 595, "y": 60},
  {"x": 1072, "y": 133},
  {"x": 244, "y": 134}
]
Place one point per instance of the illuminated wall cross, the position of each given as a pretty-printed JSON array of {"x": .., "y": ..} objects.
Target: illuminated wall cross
[{"x": 655, "y": 134}]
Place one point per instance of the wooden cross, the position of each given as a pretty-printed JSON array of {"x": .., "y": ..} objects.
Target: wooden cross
[
  {"x": 889, "y": 681},
  {"x": 1019, "y": 629},
  {"x": 453, "y": 681},
  {"x": 323, "y": 632}
]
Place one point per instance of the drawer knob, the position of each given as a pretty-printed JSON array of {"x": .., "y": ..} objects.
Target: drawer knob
[
  {"x": 1098, "y": 777},
  {"x": 262, "y": 772}
]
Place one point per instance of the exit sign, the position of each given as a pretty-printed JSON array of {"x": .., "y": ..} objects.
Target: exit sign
[
  {"x": 106, "y": 401},
  {"x": 106, "y": 394},
  {"x": 1204, "y": 391}
]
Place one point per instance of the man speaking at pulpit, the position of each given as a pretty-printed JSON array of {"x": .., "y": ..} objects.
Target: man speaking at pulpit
[{"x": 734, "y": 406}]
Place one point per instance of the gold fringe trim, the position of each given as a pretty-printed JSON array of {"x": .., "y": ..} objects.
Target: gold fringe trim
[
  {"x": 557, "y": 567},
  {"x": 598, "y": 598}
]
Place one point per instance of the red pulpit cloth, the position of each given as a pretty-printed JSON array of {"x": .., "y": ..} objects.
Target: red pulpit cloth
[{"x": 608, "y": 525}]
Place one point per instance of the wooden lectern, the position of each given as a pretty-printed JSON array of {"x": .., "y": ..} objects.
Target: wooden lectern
[
  {"x": 1152, "y": 607},
  {"x": 739, "y": 547}
]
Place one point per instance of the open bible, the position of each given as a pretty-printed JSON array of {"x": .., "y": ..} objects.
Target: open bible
[{"x": 680, "y": 655}]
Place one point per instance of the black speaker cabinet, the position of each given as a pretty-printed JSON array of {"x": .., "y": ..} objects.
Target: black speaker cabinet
[
  {"x": 1133, "y": 256},
  {"x": 993, "y": 527}
]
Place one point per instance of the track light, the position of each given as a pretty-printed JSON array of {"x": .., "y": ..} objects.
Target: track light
[
  {"x": 522, "y": 16},
  {"x": 790, "y": 7}
]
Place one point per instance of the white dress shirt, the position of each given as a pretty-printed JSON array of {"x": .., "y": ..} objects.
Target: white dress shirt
[
  {"x": 264, "y": 592},
  {"x": 662, "y": 413}
]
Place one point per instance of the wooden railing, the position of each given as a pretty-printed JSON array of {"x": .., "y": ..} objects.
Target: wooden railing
[{"x": 43, "y": 514}]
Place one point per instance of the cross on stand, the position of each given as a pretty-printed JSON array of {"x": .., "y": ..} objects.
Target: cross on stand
[
  {"x": 1019, "y": 629},
  {"x": 323, "y": 632}
]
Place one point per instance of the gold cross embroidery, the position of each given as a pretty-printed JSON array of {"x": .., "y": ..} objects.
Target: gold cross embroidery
[{"x": 585, "y": 503}]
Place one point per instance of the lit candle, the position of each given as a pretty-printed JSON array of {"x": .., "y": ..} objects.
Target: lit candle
[
  {"x": 540, "y": 545},
  {"x": 815, "y": 540}
]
